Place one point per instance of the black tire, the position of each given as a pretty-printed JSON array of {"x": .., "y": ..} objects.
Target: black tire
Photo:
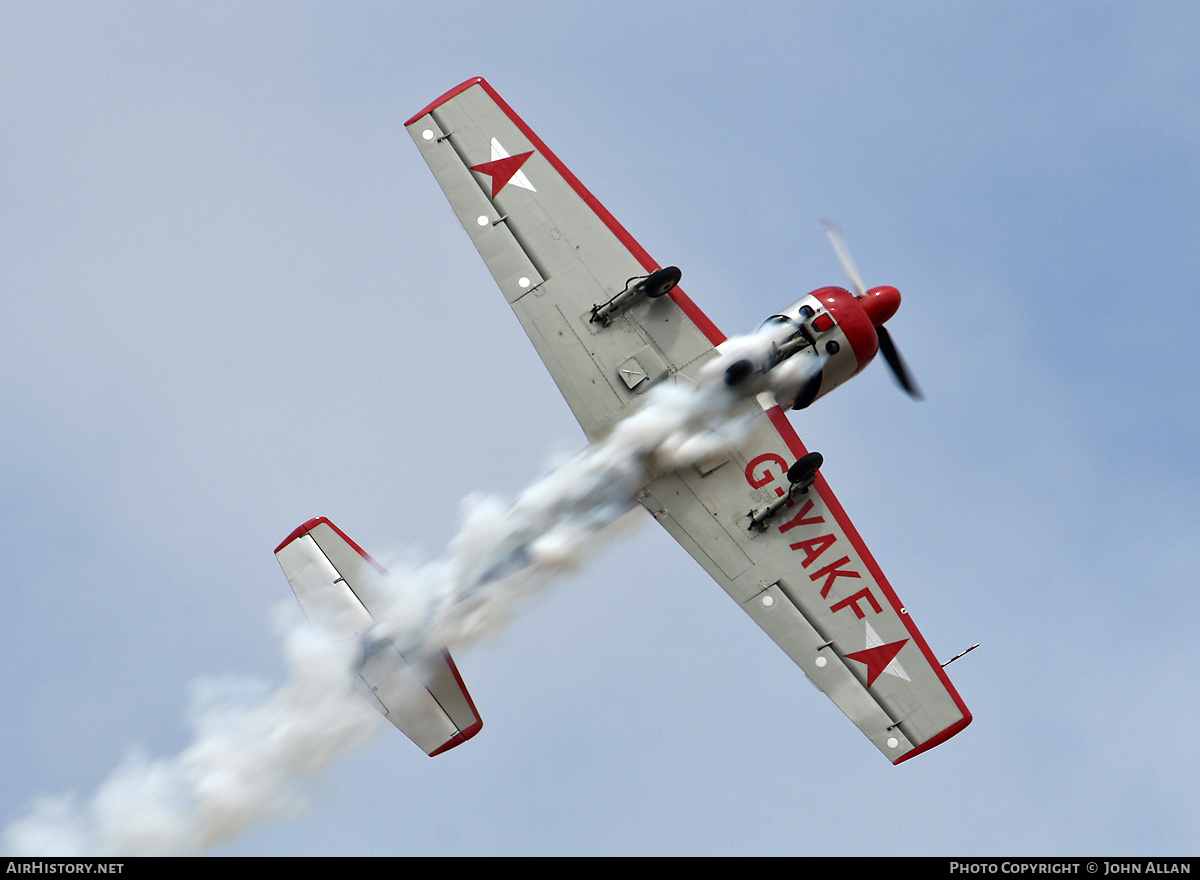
[
  {"x": 806, "y": 467},
  {"x": 662, "y": 282}
]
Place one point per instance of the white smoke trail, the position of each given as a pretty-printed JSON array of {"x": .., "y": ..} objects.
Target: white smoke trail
[
  {"x": 503, "y": 553},
  {"x": 248, "y": 762}
]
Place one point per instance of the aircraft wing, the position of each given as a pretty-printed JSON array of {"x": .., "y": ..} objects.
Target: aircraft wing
[
  {"x": 337, "y": 585},
  {"x": 809, "y": 581},
  {"x": 556, "y": 252}
]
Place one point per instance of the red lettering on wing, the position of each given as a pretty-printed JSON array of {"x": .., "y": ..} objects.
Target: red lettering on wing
[
  {"x": 758, "y": 478},
  {"x": 851, "y": 602},
  {"x": 831, "y": 572},
  {"x": 799, "y": 520},
  {"x": 814, "y": 548},
  {"x": 761, "y": 472}
]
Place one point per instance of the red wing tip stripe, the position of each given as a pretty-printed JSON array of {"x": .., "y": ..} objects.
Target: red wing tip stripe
[
  {"x": 457, "y": 90},
  {"x": 303, "y": 530},
  {"x": 938, "y": 739},
  {"x": 462, "y": 686},
  {"x": 458, "y": 739}
]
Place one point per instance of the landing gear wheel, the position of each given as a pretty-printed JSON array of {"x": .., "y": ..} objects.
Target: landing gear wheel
[
  {"x": 804, "y": 471},
  {"x": 662, "y": 282}
]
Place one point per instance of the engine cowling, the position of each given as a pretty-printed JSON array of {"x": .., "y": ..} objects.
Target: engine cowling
[{"x": 811, "y": 347}]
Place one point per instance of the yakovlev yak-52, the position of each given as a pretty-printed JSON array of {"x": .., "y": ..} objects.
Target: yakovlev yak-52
[{"x": 609, "y": 322}]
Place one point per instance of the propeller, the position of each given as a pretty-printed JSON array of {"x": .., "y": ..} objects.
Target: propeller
[
  {"x": 899, "y": 368},
  {"x": 843, "y": 254},
  {"x": 886, "y": 347}
]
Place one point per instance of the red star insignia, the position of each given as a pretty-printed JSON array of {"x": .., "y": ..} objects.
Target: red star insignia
[
  {"x": 501, "y": 171},
  {"x": 877, "y": 659}
]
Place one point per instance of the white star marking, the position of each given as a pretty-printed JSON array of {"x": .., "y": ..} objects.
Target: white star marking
[
  {"x": 518, "y": 179},
  {"x": 893, "y": 668}
]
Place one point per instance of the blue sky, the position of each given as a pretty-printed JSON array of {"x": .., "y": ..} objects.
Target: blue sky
[{"x": 234, "y": 298}]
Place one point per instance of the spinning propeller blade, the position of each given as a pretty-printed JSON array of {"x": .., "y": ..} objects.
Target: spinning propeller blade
[
  {"x": 843, "y": 254},
  {"x": 886, "y": 347},
  {"x": 899, "y": 368}
]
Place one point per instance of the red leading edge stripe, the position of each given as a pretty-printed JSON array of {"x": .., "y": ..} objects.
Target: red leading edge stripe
[
  {"x": 701, "y": 320},
  {"x": 786, "y": 432}
]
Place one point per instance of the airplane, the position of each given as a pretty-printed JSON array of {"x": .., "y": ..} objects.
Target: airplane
[{"x": 610, "y": 323}]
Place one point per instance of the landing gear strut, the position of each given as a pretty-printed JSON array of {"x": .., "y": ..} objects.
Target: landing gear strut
[
  {"x": 800, "y": 476},
  {"x": 654, "y": 285}
]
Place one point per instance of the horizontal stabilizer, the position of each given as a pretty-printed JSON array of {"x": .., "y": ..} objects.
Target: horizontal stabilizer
[{"x": 337, "y": 585}]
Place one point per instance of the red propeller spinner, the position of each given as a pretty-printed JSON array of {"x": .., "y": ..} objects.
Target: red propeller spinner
[{"x": 879, "y": 303}]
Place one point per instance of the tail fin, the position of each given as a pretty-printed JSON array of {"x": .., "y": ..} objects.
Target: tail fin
[{"x": 337, "y": 584}]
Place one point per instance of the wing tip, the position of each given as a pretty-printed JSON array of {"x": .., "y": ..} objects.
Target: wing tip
[
  {"x": 458, "y": 89},
  {"x": 939, "y": 738},
  {"x": 458, "y": 739},
  {"x": 302, "y": 530},
  {"x": 463, "y": 735}
]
